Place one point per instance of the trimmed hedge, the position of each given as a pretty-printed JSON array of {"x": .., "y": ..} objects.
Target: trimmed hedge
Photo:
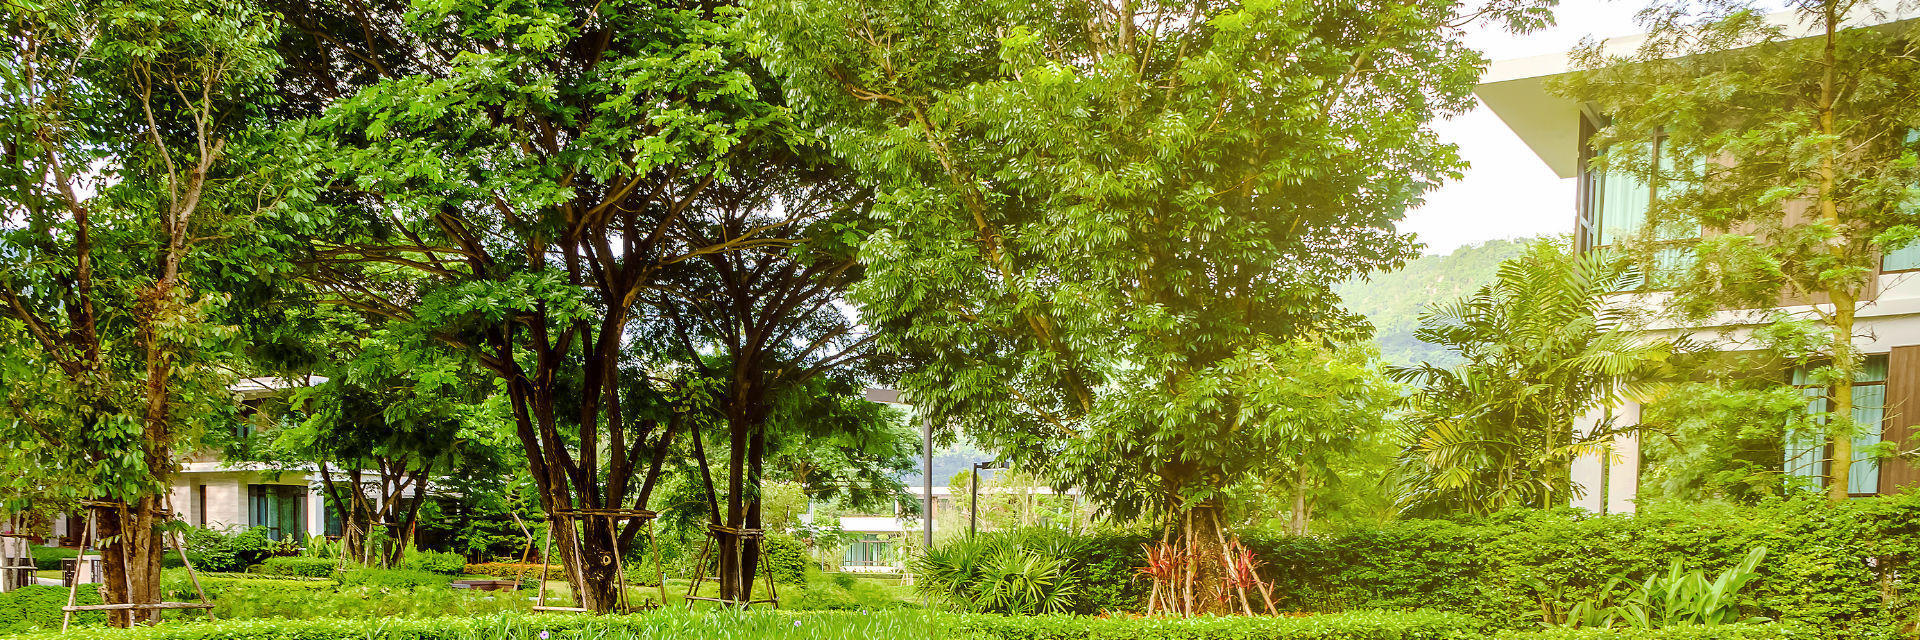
[
  {"x": 1357, "y": 625},
  {"x": 1689, "y": 632},
  {"x": 393, "y": 578},
  {"x": 671, "y": 624},
  {"x": 298, "y": 567},
  {"x": 35, "y": 606},
  {"x": 529, "y": 571},
  {"x": 1838, "y": 568}
]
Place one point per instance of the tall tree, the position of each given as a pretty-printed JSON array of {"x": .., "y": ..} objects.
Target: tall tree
[
  {"x": 528, "y": 167},
  {"x": 116, "y": 119},
  {"x": 1541, "y": 349},
  {"x": 1096, "y": 218},
  {"x": 768, "y": 321},
  {"x": 1812, "y": 163}
]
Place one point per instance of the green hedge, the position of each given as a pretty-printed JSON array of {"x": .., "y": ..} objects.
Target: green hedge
[
  {"x": 1724, "y": 632},
  {"x": 38, "y": 607},
  {"x": 1357, "y": 625},
  {"x": 393, "y": 578},
  {"x": 1838, "y": 568},
  {"x": 671, "y": 624}
]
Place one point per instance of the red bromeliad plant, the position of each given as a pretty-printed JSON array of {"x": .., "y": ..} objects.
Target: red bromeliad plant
[
  {"x": 1164, "y": 562},
  {"x": 1242, "y": 573}
]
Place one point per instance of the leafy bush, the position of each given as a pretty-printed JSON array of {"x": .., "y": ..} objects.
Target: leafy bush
[
  {"x": 1835, "y": 567},
  {"x": 1358, "y": 625},
  {"x": 1674, "y": 598},
  {"x": 227, "y": 550},
  {"x": 36, "y": 606},
  {"x": 393, "y": 578},
  {"x": 439, "y": 562},
  {"x": 48, "y": 558},
  {"x": 298, "y": 566},
  {"x": 529, "y": 571},
  {"x": 1015, "y": 572},
  {"x": 786, "y": 558},
  {"x": 1681, "y": 632},
  {"x": 673, "y": 624}
]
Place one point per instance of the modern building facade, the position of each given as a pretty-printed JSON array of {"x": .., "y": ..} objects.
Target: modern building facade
[{"x": 1611, "y": 208}]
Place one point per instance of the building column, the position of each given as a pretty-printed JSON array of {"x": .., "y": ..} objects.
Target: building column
[
  {"x": 1623, "y": 468},
  {"x": 1589, "y": 471},
  {"x": 316, "y": 507}
]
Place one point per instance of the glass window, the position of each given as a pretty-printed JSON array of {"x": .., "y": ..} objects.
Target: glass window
[
  {"x": 1907, "y": 257},
  {"x": 1618, "y": 207},
  {"x": 1622, "y": 203},
  {"x": 1806, "y": 453},
  {"x": 281, "y": 508},
  {"x": 1901, "y": 259}
]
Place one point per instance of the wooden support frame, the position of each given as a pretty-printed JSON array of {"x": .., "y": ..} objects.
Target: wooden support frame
[
  {"x": 87, "y": 539},
  {"x": 711, "y": 550},
  {"x": 613, "y": 516}
]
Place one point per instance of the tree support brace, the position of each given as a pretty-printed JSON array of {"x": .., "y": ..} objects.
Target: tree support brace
[
  {"x": 93, "y": 508},
  {"x": 613, "y": 516},
  {"x": 715, "y": 534}
]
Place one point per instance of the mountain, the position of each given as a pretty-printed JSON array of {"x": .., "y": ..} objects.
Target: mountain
[{"x": 1393, "y": 301}]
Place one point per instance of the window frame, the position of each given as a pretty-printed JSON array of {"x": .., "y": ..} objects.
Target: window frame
[{"x": 1826, "y": 450}]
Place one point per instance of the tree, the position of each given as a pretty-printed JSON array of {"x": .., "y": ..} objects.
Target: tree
[
  {"x": 116, "y": 122},
  {"x": 511, "y": 179},
  {"x": 1811, "y": 170},
  {"x": 1541, "y": 348},
  {"x": 402, "y": 413},
  {"x": 1096, "y": 219},
  {"x": 768, "y": 322}
]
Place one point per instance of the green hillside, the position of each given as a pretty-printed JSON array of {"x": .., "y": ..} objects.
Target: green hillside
[{"x": 1394, "y": 301}]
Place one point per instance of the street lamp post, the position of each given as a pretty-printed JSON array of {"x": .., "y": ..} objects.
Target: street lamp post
[{"x": 973, "y": 487}]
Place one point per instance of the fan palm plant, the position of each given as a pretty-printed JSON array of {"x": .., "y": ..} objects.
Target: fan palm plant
[{"x": 1544, "y": 344}]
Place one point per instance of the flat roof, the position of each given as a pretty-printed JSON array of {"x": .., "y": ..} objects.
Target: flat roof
[{"x": 1516, "y": 89}]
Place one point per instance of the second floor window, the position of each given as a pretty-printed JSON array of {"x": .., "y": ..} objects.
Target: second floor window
[{"x": 1616, "y": 212}]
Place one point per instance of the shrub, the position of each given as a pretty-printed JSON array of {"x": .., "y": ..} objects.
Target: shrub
[
  {"x": 393, "y": 578},
  {"x": 227, "y": 550},
  {"x": 439, "y": 562},
  {"x": 1359, "y": 625},
  {"x": 298, "y": 566},
  {"x": 1683, "y": 632},
  {"x": 36, "y": 606},
  {"x": 1013, "y": 572},
  {"x": 786, "y": 558},
  {"x": 662, "y": 625},
  {"x": 529, "y": 571},
  {"x": 48, "y": 558}
]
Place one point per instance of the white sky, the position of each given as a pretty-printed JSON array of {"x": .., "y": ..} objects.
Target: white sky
[{"x": 1508, "y": 192}]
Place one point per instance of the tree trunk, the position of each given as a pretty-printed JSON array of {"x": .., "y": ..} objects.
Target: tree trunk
[
  {"x": 1298, "y": 526},
  {"x": 1842, "y": 294},
  {"x": 130, "y": 561}
]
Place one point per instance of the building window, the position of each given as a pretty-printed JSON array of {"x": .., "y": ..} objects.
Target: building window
[
  {"x": 1905, "y": 258},
  {"x": 1807, "y": 454},
  {"x": 1615, "y": 211},
  {"x": 868, "y": 551},
  {"x": 281, "y": 508}
]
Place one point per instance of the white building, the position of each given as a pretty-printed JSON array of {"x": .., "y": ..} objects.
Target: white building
[{"x": 1557, "y": 129}]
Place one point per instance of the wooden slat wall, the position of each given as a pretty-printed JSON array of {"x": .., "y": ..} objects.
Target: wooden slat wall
[{"x": 1903, "y": 414}]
